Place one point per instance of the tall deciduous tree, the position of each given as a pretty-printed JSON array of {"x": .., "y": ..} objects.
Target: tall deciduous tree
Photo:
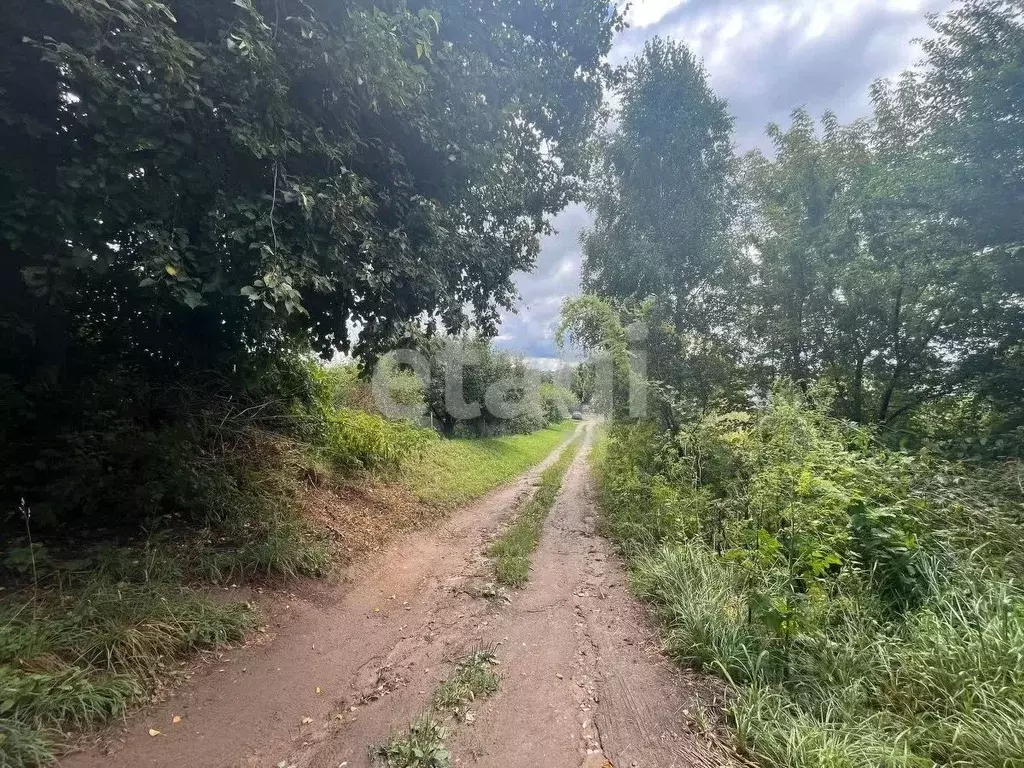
[
  {"x": 974, "y": 84},
  {"x": 661, "y": 244},
  {"x": 661, "y": 190},
  {"x": 197, "y": 189},
  {"x": 186, "y": 180},
  {"x": 862, "y": 276}
]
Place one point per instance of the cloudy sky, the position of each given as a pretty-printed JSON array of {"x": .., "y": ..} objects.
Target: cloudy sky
[{"x": 765, "y": 58}]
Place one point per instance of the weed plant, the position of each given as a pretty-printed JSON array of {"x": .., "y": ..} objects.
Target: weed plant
[{"x": 859, "y": 600}]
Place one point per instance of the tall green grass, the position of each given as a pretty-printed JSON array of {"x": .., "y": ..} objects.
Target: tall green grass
[
  {"x": 831, "y": 669},
  {"x": 452, "y": 472},
  {"x": 83, "y": 642},
  {"x": 511, "y": 552},
  {"x": 80, "y": 654},
  {"x": 945, "y": 686}
]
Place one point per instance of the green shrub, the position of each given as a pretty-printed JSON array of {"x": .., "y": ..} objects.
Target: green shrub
[
  {"x": 856, "y": 597},
  {"x": 360, "y": 440}
]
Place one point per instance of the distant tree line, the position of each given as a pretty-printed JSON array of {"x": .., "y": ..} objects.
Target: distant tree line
[{"x": 885, "y": 257}]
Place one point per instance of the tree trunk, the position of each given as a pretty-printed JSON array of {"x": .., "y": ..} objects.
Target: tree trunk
[
  {"x": 858, "y": 392},
  {"x": 897, "y": 353},
  {"x": 890, "y": 390}
]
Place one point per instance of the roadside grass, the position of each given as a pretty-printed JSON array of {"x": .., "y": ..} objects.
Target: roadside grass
[
  {"x": 944, "y": 688},
  {"x": 286, "y": 547},
  {"x": 511, "y": 552},
  {"x": 86, "y": 641},
  {"x": 89, "y": 631},
  {"x": 454, "y": 472},
  {"x": 77, "y": 655},
  {"x": 941, "y": 684},
  {"x": 423, "y": 744}
]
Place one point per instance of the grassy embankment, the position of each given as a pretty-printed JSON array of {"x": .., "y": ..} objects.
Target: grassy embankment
[
  {"x": 511, "y": 552},
  {"x": 859, "y": 601},
  {"x": 83, "y": 641},
  {"x": 452, "y": 472}
]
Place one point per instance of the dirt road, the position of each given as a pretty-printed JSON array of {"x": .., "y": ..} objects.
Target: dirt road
[{"x": 582, "y": 681}]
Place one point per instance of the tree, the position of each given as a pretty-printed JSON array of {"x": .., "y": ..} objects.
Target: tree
[
  {"x": 582, "y": 383},
  {"x": 662, "y": 247},
  {"x": 250, "y": 172},
  {"x": 194, "y": 188},
  {"x": 476, "y": 389},
  {"x": 974, "y": 87},
  {"x": 796, "y": 225},
  {"x": 660, "y": 195},
  {"x": 862, "y": 276},
  {"x": 593, "y": 325}
]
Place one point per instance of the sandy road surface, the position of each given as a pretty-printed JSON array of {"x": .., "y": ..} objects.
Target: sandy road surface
[{"x": 583, "y": 683}]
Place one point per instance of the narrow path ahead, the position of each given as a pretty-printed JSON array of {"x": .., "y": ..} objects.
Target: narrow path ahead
[{"x": 583, "y": 683}]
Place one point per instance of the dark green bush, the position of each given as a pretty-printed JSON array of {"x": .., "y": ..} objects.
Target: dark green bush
[{"x": 859, "y": 598}]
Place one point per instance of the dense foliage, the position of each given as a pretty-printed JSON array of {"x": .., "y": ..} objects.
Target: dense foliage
[
  {"x": 883, "y": 256},
  {"x": 861, "y": 599},
  {"x": 823, "y": 499},
  {"x": 192, "y": 191},
  {"x": 476, "y": 389}
]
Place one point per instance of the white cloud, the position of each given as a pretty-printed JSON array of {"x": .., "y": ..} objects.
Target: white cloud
[{"x": 645, "y": 13}]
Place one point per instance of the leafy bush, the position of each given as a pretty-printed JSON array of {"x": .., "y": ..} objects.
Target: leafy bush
[
  {"x": 858, "y": 597},
  {"x": 557, "y": 403},
  {"x": 501, "y": 393},
  {"x": 360, "y": 440}
]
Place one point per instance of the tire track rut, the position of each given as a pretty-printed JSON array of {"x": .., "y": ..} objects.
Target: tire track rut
[{"x": 583, "y": 683}]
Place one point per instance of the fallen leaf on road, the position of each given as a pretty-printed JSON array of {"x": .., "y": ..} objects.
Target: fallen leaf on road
[
  {"x": 307, "y": 720},
  {"x": 318, "y": 691},
  {"x": 154, "y": 732},
  {"x": 176, "y": 719}
]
